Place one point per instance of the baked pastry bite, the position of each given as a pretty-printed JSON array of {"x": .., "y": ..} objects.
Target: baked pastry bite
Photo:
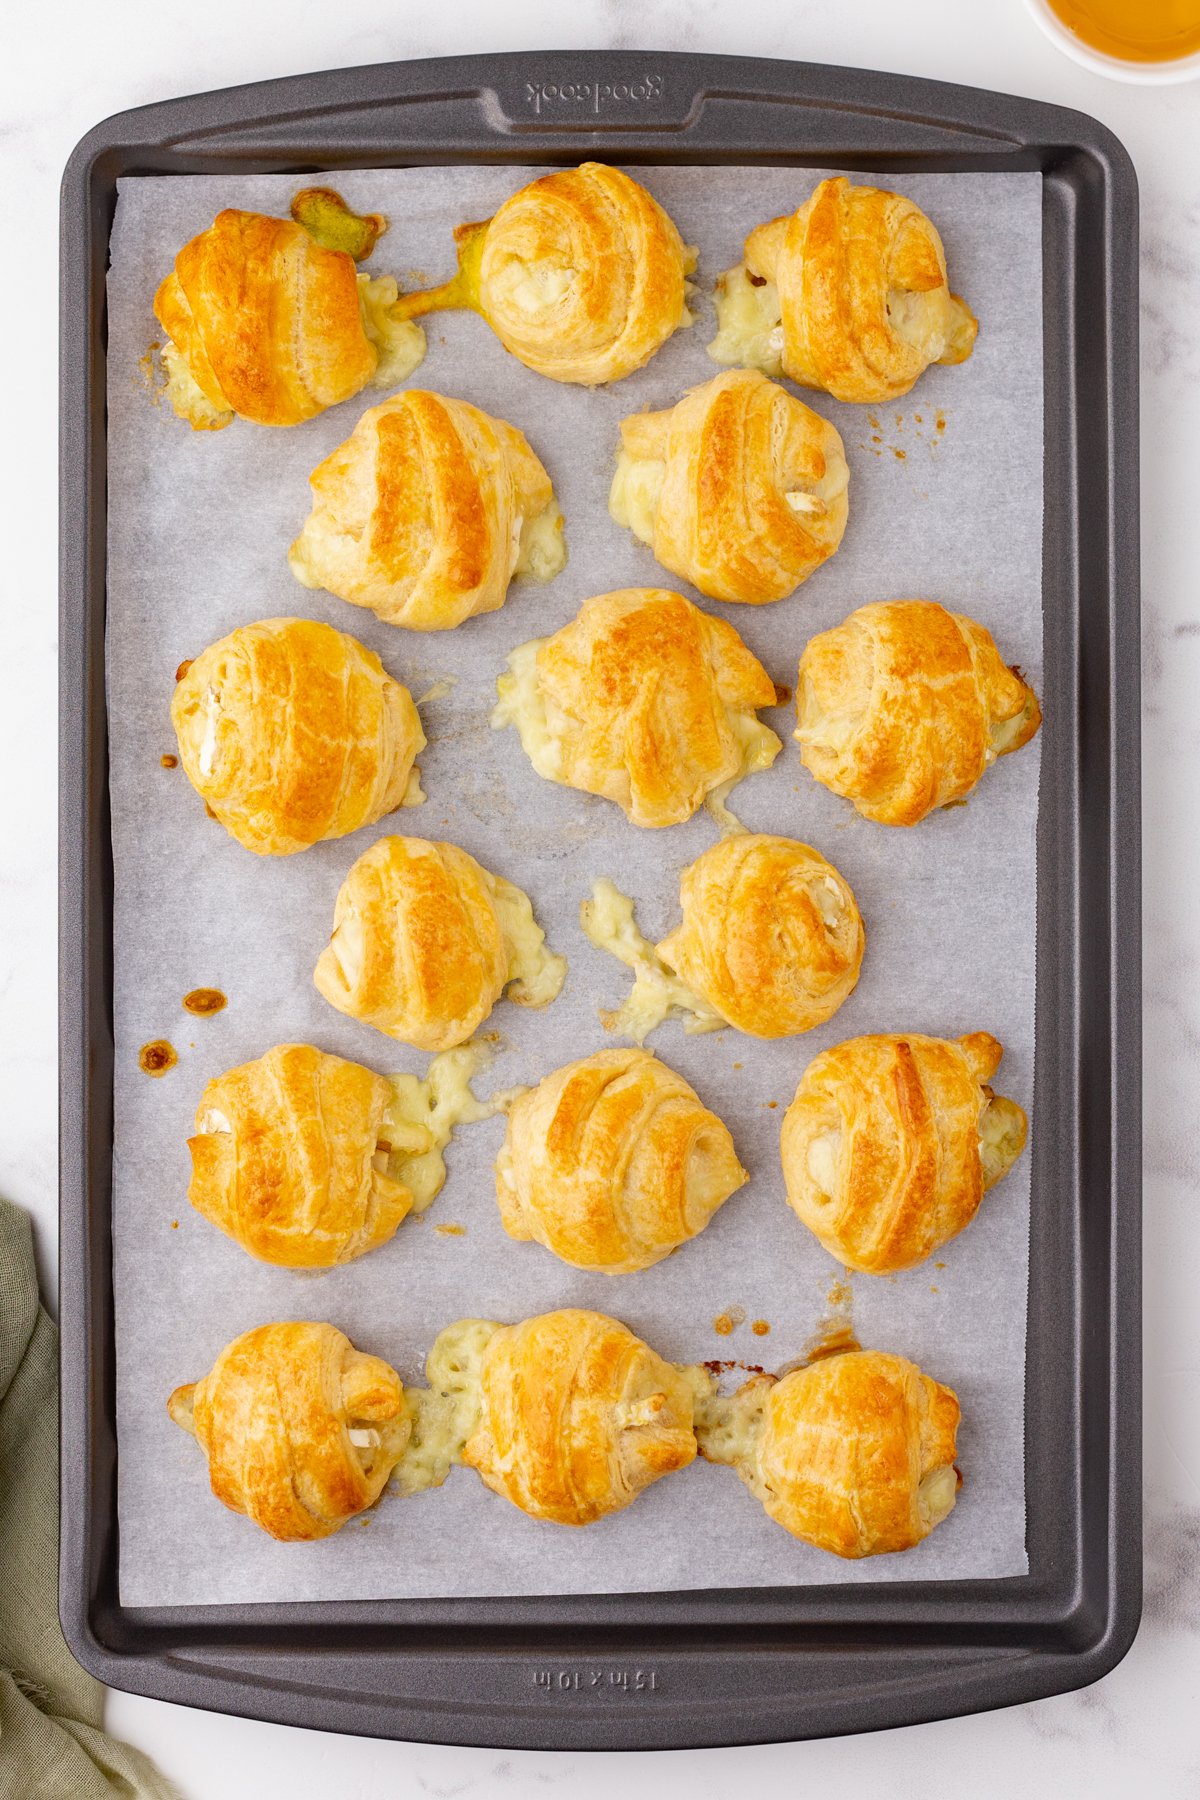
[
  {"x": 892, "y": 1141},
  {"x": 849, "y": 295},
  {"x": 427, "y": 512},
  {"x": 613, "y": 1162},
  {"x": 309, "y": 1161},
  {"x": 740, "y": 488},
  {"x": 581, "y": 275},
  {"x": 300, "y": 1429},
  {"x": 771, "y": 941},
  {"x": 265, "y": 322},
  {"x": 292, "y": 732},
  {"x": 854, "y": 1454},
  {"x": 903, "y": 706},
  {"x": 577, "y": 1416},
  {"x": 643, "y": 699},
  {"x": 425, "y": 940}
]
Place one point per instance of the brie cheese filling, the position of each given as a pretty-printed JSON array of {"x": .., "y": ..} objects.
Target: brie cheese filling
[
  {"x": 399, "y": 343},
  {"x": 749, "y": 323},
  {"x": 187, "y": 398},
  {"x": 530, "y": 288},
  {"x": 540, "y": 546},
  {"x": 822, "y": 1162},
  {"x": 522, "y": 704},
  {"x": 424, "y": 1113},
  {"x": 535, "y": 974},
  {"x": 446, "y": 1413},
  {"x": 759, "y": 746},
  {"x": 634, "y": 495},
  {"x": 1001, "y": 1136},
  {"x": 937, "y": 1493},
  {"x": 727, "y": 1426},
  {"x": 608, "y": 922}
]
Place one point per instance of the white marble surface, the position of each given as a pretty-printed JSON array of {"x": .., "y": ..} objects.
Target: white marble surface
[{"x": 60, "y": 72}]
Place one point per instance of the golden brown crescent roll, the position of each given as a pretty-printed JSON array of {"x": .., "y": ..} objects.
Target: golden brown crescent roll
[
  {"x": 771, "y": 936},
  {"x": 288, "y": 1158},
  {"x": 292, "y": 732},
  {"x": 643, "y": 699},
  {"x": 903, "y": 706},
  {"x": 892, "y": 1141},
  {"x": 581, "y": 275},
  {"x": 300, "y": 1429},
  {"x": 855, "y": 1454},
  {"x": 849, "y": 295},
  {"x": 613, "y": 1162},
  {"x": 740, "y": 488},
  {"x": 265, "y": 323},
  {"x": 425, "y": 940},
  {"x": 577, "y": 1416},
  {"x": 427, "y": 512}
]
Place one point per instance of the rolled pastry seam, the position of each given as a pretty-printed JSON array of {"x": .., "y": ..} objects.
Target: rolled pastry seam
[
  {"x": 740, "y": 488},
  {"x": 301, "y": 1430},
  {"x": 293, "y": 733},
  {"x": 612, "y": 1163},
  {"x": 903, "y": 706},
  {"x": 644, "y": 700},
  {"x": 854, "y": 1454},
  {"x": 310, "y": 1161},
  {"x": 891, "y": 1142},
  {"x": 849, "y": 295},
  {"x": 771, "y": 942},
  {"x": 264, "y": 322},
  {"x": 581, "y": 275},
  {"x": 427, "y": 512},
  {"x": 577, "y": 1416},
  {"x": 657, "y": 994},
  {"x": 426, "y": 940}
]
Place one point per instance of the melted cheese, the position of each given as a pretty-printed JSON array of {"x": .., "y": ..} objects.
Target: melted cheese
[
  {"x": 213, "y": 1122},
  {"x": 399, "y": 343},
  {"x": 541, "y": 548},
  {"x": 634, "y": 495},
  {"x": 937, "y": 1493},
  {"x": 759, "y": 746},
  {"x": 822, "y": 1162},
  {"x": 531, "y": 288},
  {"x": 423, "y": 1114},
  {"x": 444, "y": 1415},
  {"x": 1001, "y": 1137},
  {"x": 521, "y": 703},
  {"x": 187, "y": 397},
  {"x": 535, "y": 974},
  {"x": 727, "y": 1426},
  {"x": 1005, "y": 732},
  {"x": 414, "y": 793},
  {"x": 608, "y": 923},
  {"x": 749, "y": 323}
]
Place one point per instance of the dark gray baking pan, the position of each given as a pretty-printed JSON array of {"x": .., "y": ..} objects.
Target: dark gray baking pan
[{"x": 719, "y": 1666}]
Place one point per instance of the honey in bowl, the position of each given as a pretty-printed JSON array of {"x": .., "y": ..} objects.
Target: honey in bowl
[{"x": 1150, "y": 31}]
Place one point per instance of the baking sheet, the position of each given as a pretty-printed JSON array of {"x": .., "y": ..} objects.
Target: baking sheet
[{"x": 945, "y": 502}]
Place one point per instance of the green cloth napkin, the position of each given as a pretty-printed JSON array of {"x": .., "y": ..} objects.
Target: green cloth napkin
[{"x": 52, "y": 1746}]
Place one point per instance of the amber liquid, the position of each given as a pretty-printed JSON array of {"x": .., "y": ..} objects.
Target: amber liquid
[{"x": 1134, "y": 30}]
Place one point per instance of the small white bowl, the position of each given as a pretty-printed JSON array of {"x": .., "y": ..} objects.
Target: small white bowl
[{"x": 1144, "y": 74}]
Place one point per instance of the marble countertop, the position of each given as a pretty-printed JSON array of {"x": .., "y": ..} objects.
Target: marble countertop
[{"x": 61, "y": 74}]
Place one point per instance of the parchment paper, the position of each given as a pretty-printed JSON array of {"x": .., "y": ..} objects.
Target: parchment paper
[{"x": 945, "y": 503}]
